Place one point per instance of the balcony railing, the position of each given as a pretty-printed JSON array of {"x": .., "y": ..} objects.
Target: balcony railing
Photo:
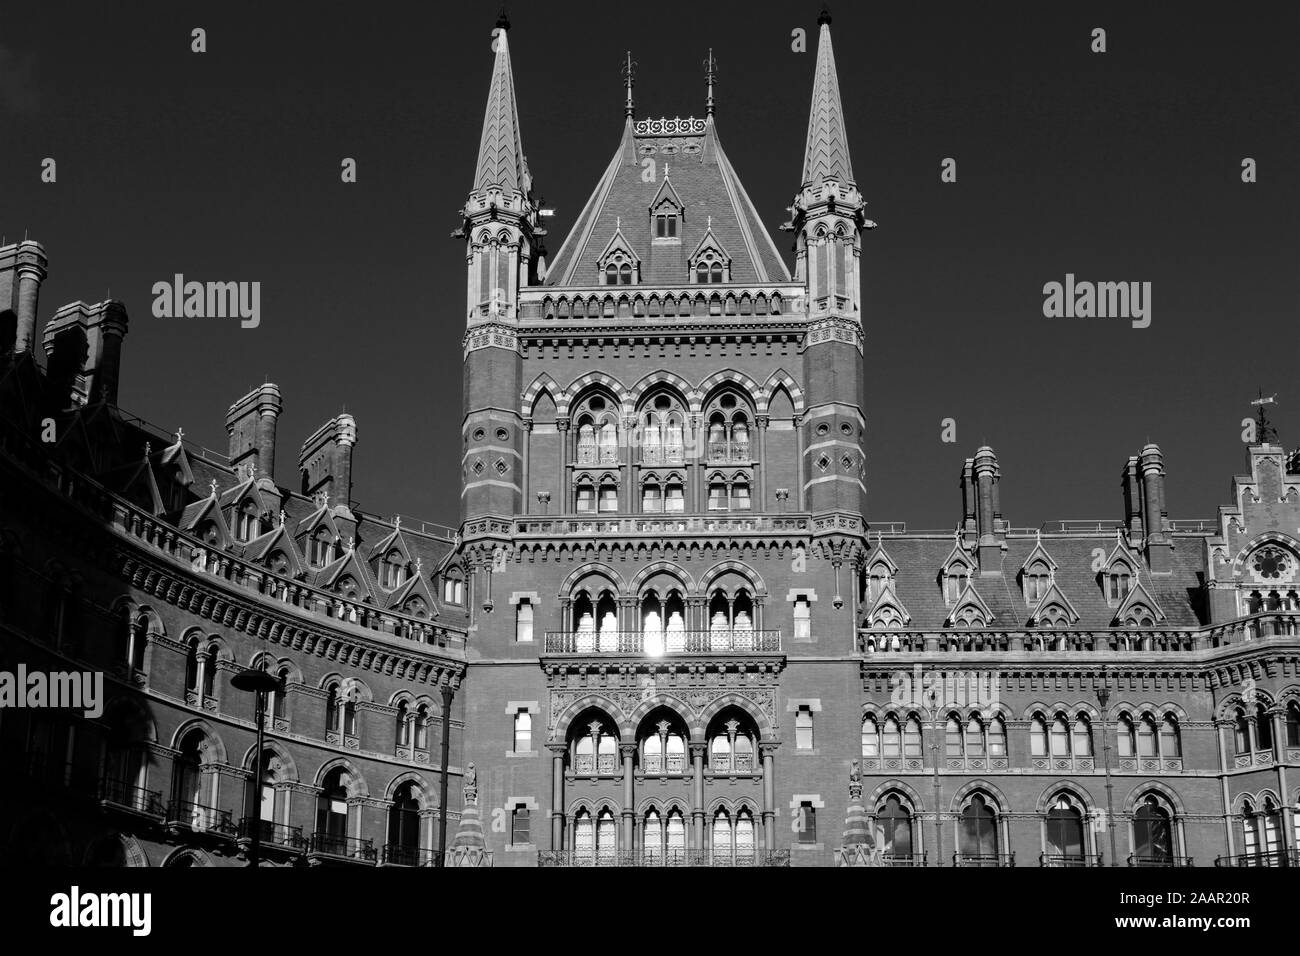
[
  {"x": 1270, "y": 858},
  {"x": 120, "y": 795},
  {"x": 1159, "y": 859},
  {"x": 903, "y": 859},
  {"x": 597, "y": 454},
  {"x": 659, "y": 764},
  {"x": 739, "y": 503},
  {"x": 729, "y": 451},
  {"x": 658, "y": 525},
  {"x": 356, "y": 849},
  {"x": 197, "y": 818},
  {"x": 1269, "y": 625},
  {"x": 277, "y": 835},
  {"x": 397, "y": 855},
  {"x": 1069, "y": 859},
  {"x": 983, "y": 859},
  {"x": 667, "y": 857},
  {"x": 663, "y": 454},
  {"x": 654, "y": 644}
]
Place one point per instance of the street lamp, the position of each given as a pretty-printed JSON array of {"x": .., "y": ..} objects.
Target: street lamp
[
  {"x": 1103, "y": 698},
  {"x": 261, "y": 683},
  {"x": 938, "y": 786}
]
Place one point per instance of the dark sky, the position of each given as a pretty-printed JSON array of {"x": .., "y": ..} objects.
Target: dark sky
[{"x": 1121, "y": 166}]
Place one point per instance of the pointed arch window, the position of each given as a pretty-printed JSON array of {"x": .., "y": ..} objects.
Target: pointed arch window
[
  {"x": 1153, "y": 833},
  {"x": 977, "y": 838},
  {"x": 1037, "y": 578},
  {"x": 1119, "y": 582},
  {"x": 894, "y": 828},
  {"x": 892, "y": 737},
  {"x": 1064, "y": 831}
]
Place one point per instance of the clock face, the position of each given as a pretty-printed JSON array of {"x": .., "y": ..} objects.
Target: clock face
[{"x": 1270, "y": 563}]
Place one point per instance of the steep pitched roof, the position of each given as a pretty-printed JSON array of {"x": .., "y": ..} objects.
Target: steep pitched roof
[
  {"x": 501, "y": 152},
  {"x": 706, "y": 185},
  {"x": 826, "y": 155}
]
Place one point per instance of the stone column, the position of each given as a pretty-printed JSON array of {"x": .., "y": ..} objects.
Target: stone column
[
  {"x": 629, "y": 813},
  {"x": 761, "y": 421},
  {"x": 697, "y": 795},
  {"x": 557, "y": 795},
  {"x": 799, "y": 463},
  {"x": 565, "y": 491},
  {"x": 769, "y": 795}
]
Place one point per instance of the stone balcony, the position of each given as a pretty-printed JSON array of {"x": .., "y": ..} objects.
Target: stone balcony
[{"x": 664, "y": 643}]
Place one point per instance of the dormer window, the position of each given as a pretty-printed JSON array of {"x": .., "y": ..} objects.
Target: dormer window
[
  {"x": 666, "y": 225},
  {"x": 709, "y": 263},
  {"x": 1037, "y": 577},
  {"x": 616, "y": 274},
  {"x": 1119, "y": 581}
]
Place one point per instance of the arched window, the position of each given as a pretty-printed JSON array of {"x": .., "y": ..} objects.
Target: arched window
[
  {"x": 1170, "y": 742},
  {"x": 1060, "y": 737},
  {"x": 977, "y": 838},
  {"x": 594, "y": 750},
  {"x": 893, "y": 737},
  {"x": 974, "y": 737},
  {"x": 870, "y": 738},
  {"x": 421, "y": 727},
  {"x": 138, "y": 642},
  {"x": 1153, "y": 835},
  {"x": 1263, "y": 728},
  {"x": 403, "y": 724},
  {"x": 1260, "y": 829},
  {"x": 912, "y": 737},
  {"x": 1293, "y": 728},
  {"x": 187, "y": 777},
  {"x": 403, "y": 846},
  {"x": 453, "y": 587},
  {"x": 1037, "y": 578},
  {"x": 332, "y": 708},
  {"x": 1037, "y": 737},
  {"x": 278, "y": 709},
  {"x": 1126, "y": 736},
  {"x": 321, "y": 547},
  {"x": 209, "y": 670},
  {"x": 1241, "y": 731},
  {"x": 248, "y": 525},
  {"x": 1146, "y": 732},
  {"x": 955, "y": 578},
  {"x": 606, "y": 838},
  {"x": 524, "y": 621},
  {"x": 332, "y": 817},
  {"x": 952, "y": 735},
  {"x": 997, "y": 738},
  {"x": 894, "y": 828},
  {"x": 1120, "y": 579},
  {"x": 192, "y": 664},
  {"x": 732, "y": 739},
  {"x": 394, "y": 570},
  {"x": 1082, "y": 743},
  {"x": 1064, "y": 831}
]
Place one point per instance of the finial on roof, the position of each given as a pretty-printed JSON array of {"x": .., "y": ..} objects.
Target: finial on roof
[
  {"x": 502, "y": 20},
  {"x": 397, "y": 522},
  {"x": 352, "y": 543},
  {"x": 148, "y": 450},
  {"x": 618, "y": 222},
  {"x": 325, "y": 499},
  {"x": 665, "y": 170},
  {"x": 213, "y": 485},
  {"x": 180, "y": 435},
  {"x": 283, "y": 516},
  {"x": 1265, "y": 433},
  {"x": 419, "y": 565},
  {"x": 629, "y": 80},
  {"x": 825, "y": 15},
  {"x": 710, "y": 76},
  {"x": 710, "y": 222}
]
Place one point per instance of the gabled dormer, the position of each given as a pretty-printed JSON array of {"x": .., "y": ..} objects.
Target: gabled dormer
[
  {"x": 888, "y": 613},
  {"x": 1139, "y": 608},
  {"x": 1053, "y": 609},
  {"x": 1119, "y": 572},
  {"x": 318, "y": 536},
  {"x": 414, "y": 596},
  {"x": 1037, "y": 574},
  {"x": 618, "y": 263},
  {"x": 277, "y": 552},
  {"x": 247, "y": 509},
  {"x": 881, "y": 571},
  {"x": 140, "y": 486},
  {"x": 391, "y": 560},
  {"x": 204, "y": 520},
  {"x": 348, "y": 576},
  {"x": 955, "y": 573},
  {"x": 710, "y": 263},
  {"x": 969, "y": 610},
  {"x": 667, "y": 214}
]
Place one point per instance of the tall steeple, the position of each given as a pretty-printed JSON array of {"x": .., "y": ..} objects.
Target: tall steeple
[
  {"x": 501, "y": 153},
  {"x": 827, "y": 152}
]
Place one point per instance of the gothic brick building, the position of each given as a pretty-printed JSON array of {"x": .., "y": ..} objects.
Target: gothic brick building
[{"x": 666, "y": 632}]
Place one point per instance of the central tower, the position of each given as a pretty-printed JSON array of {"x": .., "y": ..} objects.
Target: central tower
[{"x": 663, "y": 486}]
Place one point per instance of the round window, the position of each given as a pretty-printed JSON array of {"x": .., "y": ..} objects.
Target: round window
[
  {"x": 823, "y": 428},
  {"x": 502, "y": 434},
  {"x": 478, "y": 434},
  {"x": 1270, "y": 563}
]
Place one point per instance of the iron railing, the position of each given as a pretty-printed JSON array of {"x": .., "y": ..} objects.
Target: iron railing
[
  {"x": 198, "y": 818},
  {"x": 395, "y": 854},
  {"x": 1269, "y": 858},
  {"x": 277, "y": 835},
  {"x": 666, "y": 858},
  {"x": 1070, "y": 859},
  {"x": 983, "y": 859},
  {"x": 118, "y": 794},
  {"x": 654, "y": 643},
  {"x": 357, "y": 849},
  {"x": 1158, "y": 859}
]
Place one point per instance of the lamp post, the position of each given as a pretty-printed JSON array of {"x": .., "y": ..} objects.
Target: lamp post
[
  {"x": 261, "y": 683},
  {"x": 938, "y": 786},
  {"x": 1103, "y": 698}
]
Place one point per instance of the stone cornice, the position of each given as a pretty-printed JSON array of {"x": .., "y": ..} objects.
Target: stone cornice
[{"x": 264, "y": 621}]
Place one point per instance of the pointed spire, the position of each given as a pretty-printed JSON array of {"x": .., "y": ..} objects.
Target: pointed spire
[
  {"x": 710, "y": 75},
  {"x": 629, "y": 79},
  {"x": 500, "y": 151},
  {"x": 827, "y": 152}
]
